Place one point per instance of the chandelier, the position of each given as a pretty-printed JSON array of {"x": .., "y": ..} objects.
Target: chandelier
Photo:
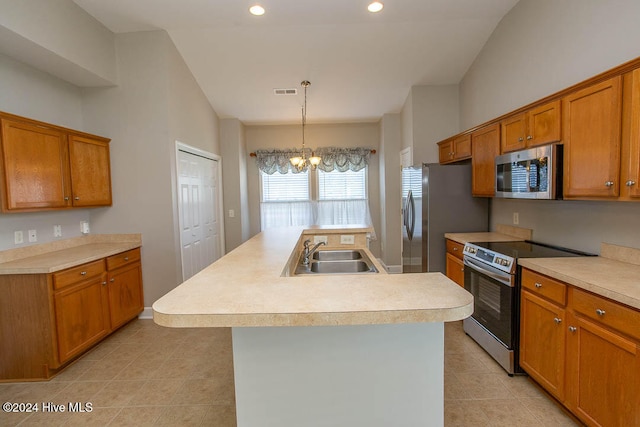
[{"x": 301, "y": 163}]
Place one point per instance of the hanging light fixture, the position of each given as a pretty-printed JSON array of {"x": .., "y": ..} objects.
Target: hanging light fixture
[{"x": 301, "y": 162}]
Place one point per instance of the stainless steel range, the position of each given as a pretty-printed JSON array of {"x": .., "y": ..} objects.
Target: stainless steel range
[{"x": 492, "y": 275}]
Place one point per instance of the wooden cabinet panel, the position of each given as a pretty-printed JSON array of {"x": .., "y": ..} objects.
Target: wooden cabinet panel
[
  {"x": 513, "y": 130},
  {"x": 603, "y": 375},
  {"x": 543, "y": 126},
  {"x": 591, "y": 128},
  {"x": 542, "y": 342},
  {"x": 75, "y": 274},
  {"x": 455, "y": 248},
  {"x": 630, "y": 162},
  {"x": 123, "y": 258},
  {"x": 454, "y": 150},
  {"x": 455, "y": 269},
  {"x": 82, "y": 316},
  {"x": 445, "y": 151},
  {"x": 35, "y": 174},
  {"x": 125, "y": 294},
  {"x": 485, "y": 146},
  {"x": 90, "y": 171},
  {"x": 544, "y": 286},
  {"x": 608, "y": 313}
]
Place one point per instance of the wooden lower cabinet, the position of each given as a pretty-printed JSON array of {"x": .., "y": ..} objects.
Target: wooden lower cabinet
[
  {"x": 586, "y": 354},
  {"x": 455, "y": 266},
  {"x": 47, "y": 320}
]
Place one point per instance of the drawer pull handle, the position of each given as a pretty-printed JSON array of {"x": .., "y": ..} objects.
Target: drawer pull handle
[
  {"x": 112, "y": 280},
  {"x": 572, "y": 329},
  {"x": 126, "y": 258},
  {"x": 455, "y": 249},
  {"x": 104, "y": 283},
  {"x": 76, "y": 198},
  {"x": 66, "y": 198},
  {"x": 630, "y": 183},
  {"x": 557, "y": 320},
  {"x": 600, "y": 312},
  {"x": 609, "y": 183},
  {"x": 83, "y": 273},
  {"x": 538, "y": 285},
  {"x": 529, "y": 137}
]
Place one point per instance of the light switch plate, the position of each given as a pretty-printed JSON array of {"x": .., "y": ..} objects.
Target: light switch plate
[
  {"x": 57, "y": 231},
  {"x": 347, "y": 239},
  {"x": 318, "y": 239},
  {"x": 17, "y": 237}
]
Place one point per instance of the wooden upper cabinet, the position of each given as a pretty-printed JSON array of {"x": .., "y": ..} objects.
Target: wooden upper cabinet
[
  {"x": 455, "y": 149},
  {"x": 48, "y": 167},
  {"x": 630, "y": 165},
  {"x": 591, "y": 127},
  {"x": 90, "y": 171},
  {"x": 34, "y": 167},
  {"x": 485, "y": 146},
  {"x": 538, "y": 126}
]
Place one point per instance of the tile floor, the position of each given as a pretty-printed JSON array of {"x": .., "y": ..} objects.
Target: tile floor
[{"x": 148, "y": 375}]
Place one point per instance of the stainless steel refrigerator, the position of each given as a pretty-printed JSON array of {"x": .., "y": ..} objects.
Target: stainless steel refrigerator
[{"x": 436, "y": 199}]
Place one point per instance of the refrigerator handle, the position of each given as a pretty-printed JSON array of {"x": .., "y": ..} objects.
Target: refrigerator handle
[
  {"x": 412, "y": 211},
  {"x": 407, "y": 213}
]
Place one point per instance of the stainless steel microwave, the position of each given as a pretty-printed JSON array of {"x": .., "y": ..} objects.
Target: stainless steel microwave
[{"x": 535, "y": 173}]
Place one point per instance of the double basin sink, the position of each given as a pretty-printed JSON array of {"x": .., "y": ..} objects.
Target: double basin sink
[{"x": 352, "y": 261}]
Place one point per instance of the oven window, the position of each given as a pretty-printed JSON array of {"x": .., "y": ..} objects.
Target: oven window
[{"x": 493, "y": 303}]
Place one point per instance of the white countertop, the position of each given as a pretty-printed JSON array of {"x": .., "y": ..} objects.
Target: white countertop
[{"x": 245, "y": 288}]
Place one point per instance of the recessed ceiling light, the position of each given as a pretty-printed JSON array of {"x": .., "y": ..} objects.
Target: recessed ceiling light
[
  {"x": 374, "y": 7},
  {"x": 256, "y": 10}
]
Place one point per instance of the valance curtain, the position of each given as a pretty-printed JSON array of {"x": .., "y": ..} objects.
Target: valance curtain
[{"x": 333, "y": 158}]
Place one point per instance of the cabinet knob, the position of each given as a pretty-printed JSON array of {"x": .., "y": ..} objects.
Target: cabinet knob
[
  {"x": 126, "y": 258},
  {"x": 529, "y": 137},
  {"x": 104, "y": 283},
  {"x": 455, "y": 249},
  {"x": 572, "y": 329},
  {"x": 630, "y": 183},
  {"x": 520, "y": 139},
  {"x": 112, "y": 280},
  {"x": 538, "y": 285},
  {"x": 76, "y": 198},
  {"x": 557, "y": 320},
  {"x": 600, "y": 312},
  {"x": 83, "y": 273},
  {"x": 609, "y": 183},
  {"x": 66, "y": 198}
]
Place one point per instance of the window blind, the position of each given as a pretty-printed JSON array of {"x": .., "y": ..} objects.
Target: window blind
[
  {"x": 288, "y": 187},
  {"x": 346, "y": 185}
]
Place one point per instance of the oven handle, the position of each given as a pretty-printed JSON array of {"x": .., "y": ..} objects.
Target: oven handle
[{"x": 502, "y": 277}]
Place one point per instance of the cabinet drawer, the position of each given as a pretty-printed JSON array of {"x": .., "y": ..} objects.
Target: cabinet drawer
[
  {"x": 123, "y": 258},
  {"x": 455, "y": 248},
  {"x": 78, "y": 274},
  {"x": 544, "y": 286},
  {"x": 607, "y": 312}
]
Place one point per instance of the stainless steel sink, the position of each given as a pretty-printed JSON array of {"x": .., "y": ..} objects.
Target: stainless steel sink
[
  {"x": 330, "y": 255},
  {"x": 337, "y": 262}
]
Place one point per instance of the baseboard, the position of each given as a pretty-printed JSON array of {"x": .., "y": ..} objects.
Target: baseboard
[
  {"x": 391, "y": 269},
  {"x": 147, "y": 313}
]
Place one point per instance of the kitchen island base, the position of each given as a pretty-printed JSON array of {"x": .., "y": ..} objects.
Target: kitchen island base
[{"x": 362, "y": 375}]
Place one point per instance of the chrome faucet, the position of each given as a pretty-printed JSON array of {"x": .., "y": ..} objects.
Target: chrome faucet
[{"x": 309, "y": 251}]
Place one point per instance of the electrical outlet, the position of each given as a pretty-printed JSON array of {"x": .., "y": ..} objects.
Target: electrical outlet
[
  {"x": 516, "y": 218},
  {"x": 84, "y": 227},
  {"x": 232, "y": 213},
  {"x": 318, "y": 239},
  {"x": 347, "y": 239},
  {"x": 57, "y": 231},
  {"x": 17, "y": 237},
  {"x": 33, "y": 236}
]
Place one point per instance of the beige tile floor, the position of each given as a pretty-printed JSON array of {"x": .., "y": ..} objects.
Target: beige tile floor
[{"x": 148, "y": 375}]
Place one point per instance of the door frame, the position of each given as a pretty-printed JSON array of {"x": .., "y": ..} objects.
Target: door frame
[{"x": 180, "y": 146}]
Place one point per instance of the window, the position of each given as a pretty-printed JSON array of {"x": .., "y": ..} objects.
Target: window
[
  {"x": 288, "y": 187},
  {"x": 347, "y": 185}
]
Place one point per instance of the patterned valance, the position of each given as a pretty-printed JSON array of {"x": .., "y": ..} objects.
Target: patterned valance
[{"x": 333, "y": 158}]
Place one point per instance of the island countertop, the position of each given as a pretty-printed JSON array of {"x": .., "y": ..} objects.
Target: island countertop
[{"x": 246, "y": 288}]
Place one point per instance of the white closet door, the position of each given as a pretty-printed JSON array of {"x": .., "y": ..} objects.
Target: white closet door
[{"x": 199, "y": 224}]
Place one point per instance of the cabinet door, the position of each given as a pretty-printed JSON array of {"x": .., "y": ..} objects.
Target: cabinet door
[
  {"x": 90, "y": 171},
  {"x": 34, "y": 167},
  {"x": 82, "y": 316},
  {"x": 445, "y": 151},
  {"x": 630, "y": 173},
  {"x": 485, "y": 146},
  {"x": 543, "y": 125},
  {"x": 125, "y": 294},
  {"x": 542, "y": 342},
  {"x": 462, "y": 147},
  {"x": 591, "y": 128},
  {"x": 512, "y": 133},
  {"x": 604, "y": 375},
  {"x": 455, "y": 269}
]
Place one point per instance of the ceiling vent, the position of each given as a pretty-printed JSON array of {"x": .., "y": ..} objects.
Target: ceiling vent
[{"x": 285, "y": 91}]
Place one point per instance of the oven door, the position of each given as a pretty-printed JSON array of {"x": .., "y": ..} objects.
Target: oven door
[{"x": 493, "y": 299}]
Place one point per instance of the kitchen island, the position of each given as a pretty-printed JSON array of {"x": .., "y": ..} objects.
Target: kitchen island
[{"x": 340, "y": 349}]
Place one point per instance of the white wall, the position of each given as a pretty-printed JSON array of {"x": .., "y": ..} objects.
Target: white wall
[
  {"x": 156, "y": 103},
  {"x": 34, "y": 94},
  {"x": 316, "y": 135},
  {"x": 390, "y": 194},
  {"x": 539, "y": 48}
]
